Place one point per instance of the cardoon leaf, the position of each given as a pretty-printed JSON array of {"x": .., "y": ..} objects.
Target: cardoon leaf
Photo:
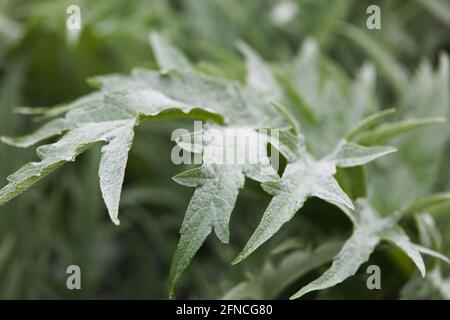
[
  {"x": 386, "y": 131},
  {"x": 355, "y": 252},
  {"x": 350, "y": 154},
  {"x": 432, "y": 253},
  {"x": 53, "y": 128},
  {"x": 274, "y": 277},
  {"x": 433, "y": 286},
  {"x": 209, "y": 209},
  {"x": 167, "y": 56},
  {"x": 425, "y": 203},
  {"x": 218, "y": 184},
  {"x": 112, "y": 167},
  {"x": 305, "y": 178},
  {"x": 259, "y": 75},
  {"x": 111, "y": 120},
  {"x": 54, "y": 155},
  {"x": 369, "y": 123},
  {"x": 398, "y": 237}
]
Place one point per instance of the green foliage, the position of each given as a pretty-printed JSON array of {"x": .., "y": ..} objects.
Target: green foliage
[{"x": 369, "y": 230}]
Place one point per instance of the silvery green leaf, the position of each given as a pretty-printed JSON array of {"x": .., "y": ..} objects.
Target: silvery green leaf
[
  {"x": 274, "y": 277},
  {"x": 301, "y": 180},
  {"x": 425, "y": 203},
  {"x": 209, "y": 209},
  {"x": 259, "y": 75},
  {"x": 112, "y": 167},
  {"x": 389, "y": 130},
  {"x": 195, "y": 177},
  {"x": 399, "y": 238},
  {"x": 363, "y": 93},
  {"x": 306, "y": 74},
  {"x": 432, "y": 253},
  {"x": 429, "y": 233},
  {"x": 57, "y": 126},
  {"x": 218, "y": 183},
  {"x": 433, "y": 286},
  {"x": 122, "y": 102},
  {"x": 391, "y": 69},
  {"x": 53, "y": 128},
  {"x": 368, "y": 123},
  {"x": 422, "y": 153},
  {"x": 122, "y": 108},
  {"x": 355, "y": 252},
  {"x": 305, "y": 178},
  {"x": 167, "y": 56},
  {"x": 53, "y": 156},
  {"x": 237, "y": 105},
  {"x": 43, "y": 113}
]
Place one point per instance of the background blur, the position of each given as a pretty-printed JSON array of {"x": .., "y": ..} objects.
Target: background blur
[{"x": 63, "y": 220}]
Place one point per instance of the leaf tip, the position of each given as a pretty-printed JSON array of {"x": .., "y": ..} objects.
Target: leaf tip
[
  {"x": 388, "y": 150},
  {"x": 171, "y": 291},
  {"x": 423, "y": 272},
  {"x": 298, "y": 294},
  {"x": 94, "y": 82},
  {"x": 5, "y": 140},
  {"x": 14, "y": 142}
]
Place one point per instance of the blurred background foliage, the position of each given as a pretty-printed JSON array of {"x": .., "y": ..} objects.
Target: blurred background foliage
[{"x": 62, "y": 221}]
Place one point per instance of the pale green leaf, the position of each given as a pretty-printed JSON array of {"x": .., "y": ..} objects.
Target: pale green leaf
[
  {"x": 210, "y": 208},
  {"x": 305, "y": 178},
  {"x": 195, "y": 177},
  {"x": 433, "y": 286},
  {"x": 386, "y": 131},
  {"x": 368, "y": 123},
  {"x": 369, "y": 229},
  {"x": 300, "y": 180},
  {"x": 218, "y": 183},
  {"x": 273, "y": 278},
  {"x": 398, "y": 237},
  {"x": 167, "y": 56},
  {"x": 129, "y": 106},
  {"x": 350, "y": 154},
  {"x": 429, "y": 233},
  {"x": 355, "y": 252},
  {"x": 112, "y": 167},
  {"x": 188, "y": 245},
  {"x": 259, "y": 75},
  {"x": 44, "y": 113},
  {"x": 53, "y": 128},
  {"x": 432, "y": 253},
  {"x": 237, "y": 105},
  {"x": 54, "y": 155},
  {"x": 424, "y": 203}
]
